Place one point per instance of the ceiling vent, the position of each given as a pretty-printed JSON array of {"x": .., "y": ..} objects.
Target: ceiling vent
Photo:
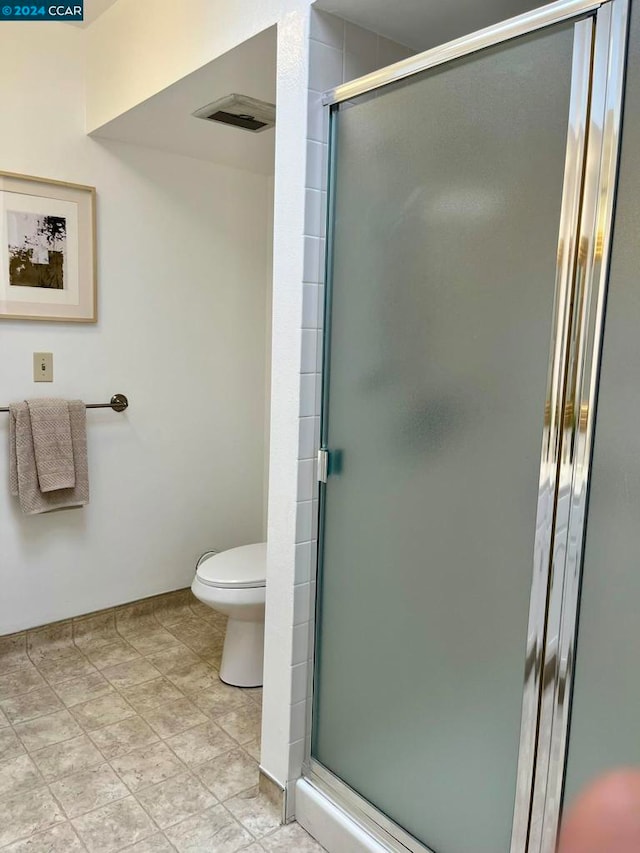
[{"x": 240, "y": 111}]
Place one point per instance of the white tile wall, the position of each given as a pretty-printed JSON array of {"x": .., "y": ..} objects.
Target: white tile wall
[
  {"x": 300, "y": 646},
  {"x": 311, "y": 308},
  {"x": 327, "y": 64},
  {"x": 360, "y": 51},
  {"x": 305, "y": 561},
  {"x": 327, "y": 29},
  {"x": 299, "y": 717},
  {"x": 307, "y": 438},
  {"x": 308, "y": 383},
  {"x": 308, "y": 360},
  {"x": 313, "y": 210},
  {"x": 338, "y": 51}
]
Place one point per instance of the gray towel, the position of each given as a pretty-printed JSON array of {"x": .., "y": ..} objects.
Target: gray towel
[
  {"x": 23, "y": 474},
  {"x": 51, "y": 430}
]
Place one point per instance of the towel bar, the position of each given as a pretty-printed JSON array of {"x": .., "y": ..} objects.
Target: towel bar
[{"x": 118, "y": 403}]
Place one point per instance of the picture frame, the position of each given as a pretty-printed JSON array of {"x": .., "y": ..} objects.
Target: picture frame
[{"x": 48, "y": 265}]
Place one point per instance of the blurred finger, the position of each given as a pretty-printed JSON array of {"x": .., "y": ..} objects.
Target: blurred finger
[{"x": 605, "y": 818}]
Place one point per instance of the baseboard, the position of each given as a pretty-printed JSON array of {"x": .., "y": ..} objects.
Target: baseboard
[
  {"x": 150, "y": 604},
  {"x": 273, "y": 791},
  {"x": 330, "y": 825}
]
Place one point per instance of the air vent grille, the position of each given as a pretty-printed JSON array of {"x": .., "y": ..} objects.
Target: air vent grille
[
  {"x": 240, "y": 111},
  {"x": 246, "y": 122}
]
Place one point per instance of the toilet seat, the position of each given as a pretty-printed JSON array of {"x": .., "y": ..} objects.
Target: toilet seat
[{"x": 240, "y": 568}]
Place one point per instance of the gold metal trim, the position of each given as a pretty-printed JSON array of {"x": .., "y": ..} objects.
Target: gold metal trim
[
  {"x": 554, "y": 420},
  {"x": 596, "y": 224}
]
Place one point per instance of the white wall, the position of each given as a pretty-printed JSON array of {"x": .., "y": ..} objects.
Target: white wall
[{"x": 182, "y": 249}]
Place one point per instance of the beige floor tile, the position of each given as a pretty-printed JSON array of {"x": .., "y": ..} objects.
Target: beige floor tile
[
  {"x": 177, "y": 696},
  {"x": 22, "y": 679},
  {"x": 88, "y": 790},
  {"x": 213, "y": 831},
  {"x": 51, "y": 641},
  {"x": 208, "y": 646},
  {"x": 60, "y": 839},
  {"x": 290, "y": 839},
  {"x": 173, "y": 607},
  {"x": 78, "y": 690},
  {"x": 229, "y": 774},
  {"x": 13, "y": 652},
  {"x": 254, "y": 693},
  {"x": 112, "y": 654},
  {"x": 253, "y": 848},
  {"x": 194, "y": 677},
  {"x": 10, "y": 746},
  {"x": 150, "y": 640},
  {"x": 156, "y": 844},
  {"x": 185, "y": 620},
  {"x": 97, "y": 713},
  {"x": 243, "y": 725},
  {"x": 214, "y": 659},
  {"x": 120, "y": 738},
  {"x": 29, "y": 706},
  {"x": 174, "y": 658},
  {"x": 114, "y": 827},
  {"x": 71, "y": 664},
  {"x": 175, "y": 799},
  {"x": 197, "y": 635},
  {"x": 18, "y": 775},
  {"x": 93, "y": 631},
  {"x": 203, "y": 611},
  {"x": 253, "y": 748},
  {"x": 27, "y": 813},
  {"x": 220, "y": 699},
  {"x": 139, "y": 613},
  {"x": 48, "y": 730},
  {"x": 173, "y": 718},
  {"x": 144, "y": 697},
  {"x": 147, "y": 766},
  {"x": 131, "y": 673},
  {"x": 68, "y": 757},
  {"x": 201, "y": 744},
  {"x": 255, "y": 812}
]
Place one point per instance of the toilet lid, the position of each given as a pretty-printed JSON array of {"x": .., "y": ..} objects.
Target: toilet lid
[{"x": 237, "y": 568}]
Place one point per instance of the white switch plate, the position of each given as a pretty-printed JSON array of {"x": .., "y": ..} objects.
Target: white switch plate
[{"x": 43, "y": 367}]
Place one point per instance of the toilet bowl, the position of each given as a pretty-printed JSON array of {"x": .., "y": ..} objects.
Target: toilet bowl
[{"x": 233, "y": 582}]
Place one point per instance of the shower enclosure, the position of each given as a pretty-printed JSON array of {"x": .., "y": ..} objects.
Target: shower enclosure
[{"x": 470, "y": 219}]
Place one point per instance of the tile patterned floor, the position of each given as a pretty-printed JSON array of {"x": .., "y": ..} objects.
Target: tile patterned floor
[{"x": 116, "y": 734}]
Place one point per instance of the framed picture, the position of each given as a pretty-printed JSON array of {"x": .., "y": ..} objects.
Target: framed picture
[{"x": 47, "y": 250}]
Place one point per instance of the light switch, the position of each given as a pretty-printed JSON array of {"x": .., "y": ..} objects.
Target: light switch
[{"x": 43, "y": 367}]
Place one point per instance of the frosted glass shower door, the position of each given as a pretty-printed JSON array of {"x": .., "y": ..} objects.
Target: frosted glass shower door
[{"x": 446, "y": 201}]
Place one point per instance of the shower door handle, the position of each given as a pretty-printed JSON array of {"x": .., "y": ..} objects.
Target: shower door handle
[
  {"x": 323, "y": 465},
  {"x": 329, "y": 463}
]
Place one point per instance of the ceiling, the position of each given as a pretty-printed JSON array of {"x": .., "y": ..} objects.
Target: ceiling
[
  {"x": 422, "y": 24},
  {"x": 165, "y": 121},
  {"x": 93, "y": 9}
]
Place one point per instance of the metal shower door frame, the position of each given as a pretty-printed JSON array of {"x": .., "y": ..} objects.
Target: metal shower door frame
[
  {"x": 588, "y": 195},
  {"x": 602, "y": 156}
]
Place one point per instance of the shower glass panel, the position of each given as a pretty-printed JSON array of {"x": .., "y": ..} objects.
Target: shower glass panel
[
  {"x": 606, "y": 692},
  {"x": 446, "y": 197}
]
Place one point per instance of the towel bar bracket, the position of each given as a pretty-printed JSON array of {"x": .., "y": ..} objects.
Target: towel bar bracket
[{"x": 118, "y": 403}]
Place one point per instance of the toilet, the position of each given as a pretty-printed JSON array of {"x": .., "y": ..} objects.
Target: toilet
[{"x": 233, "y": 582}]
